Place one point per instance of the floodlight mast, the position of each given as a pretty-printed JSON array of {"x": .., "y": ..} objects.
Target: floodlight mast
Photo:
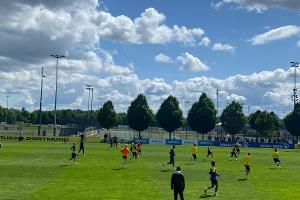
[{"x": 55, "y": 102}]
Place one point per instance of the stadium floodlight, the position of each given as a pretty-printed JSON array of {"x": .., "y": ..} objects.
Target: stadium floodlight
[
  {"x": 41, "y": 100},
  {"x": 55, "y": 101},
  {"x": 295, "y": 96},
  {"x": 7, "y": 109},
  {"x": 186, "y": 105},
  {"x": 89, "y": 88}
]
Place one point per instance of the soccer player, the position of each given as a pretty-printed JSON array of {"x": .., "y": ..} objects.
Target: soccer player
[
  {"x": 213, "y": 178},
  {"x": 139, "y": 149},
  {"x": 235, "y": 152},
  {"x": 275, "y": 157},
  {"x": 178, "y": 184},
  {"x": 247, "y": 162},
  {"x": 81, "y": 144},
  {"x": 73, "y": 154},
  {"x": 125, "y": 152},
  {"x": 209, "y": 153},
  {"x": 194, "y": 152},
  {"x": 172, "y": 157},
  {"x": 133, "y": 151}
]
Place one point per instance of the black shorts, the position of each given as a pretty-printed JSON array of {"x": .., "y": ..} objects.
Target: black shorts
[
  {"x": 124, "y": 157},
  {"x": 194, "y": 156},
  {"x": 172, "y": 161},
  {"x": 209, "y": 153},
  {"x": 276, "y": 160},
  {"x": 247, "y": 168},
  {"x": 214, "y": 182},
  {"x": 73, "y": 155}
]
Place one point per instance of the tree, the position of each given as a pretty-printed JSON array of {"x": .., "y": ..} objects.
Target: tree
[
  {"x": 107, "y": 117},
  {"x": 266, "y": 123},
  {"x": 169, "y": 116},
  {"x": 233, "y": 119},
  {"x": 139, "y": 115},
  {"x": 202, "y": 115},
  {"x": 252, "y": 119},
  {"x": 292, "y": 122}
]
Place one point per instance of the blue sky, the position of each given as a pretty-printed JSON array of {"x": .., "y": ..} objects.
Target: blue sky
[
  {"x": 226, "y": 25},
  {"x": 158, "y": 48}
]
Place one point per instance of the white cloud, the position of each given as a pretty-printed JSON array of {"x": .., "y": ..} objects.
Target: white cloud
[
  {"x": 205, "y": 42},
  {"x": 261, "y": 5},
  {"x": 191, "y": 63},
  {"x": 223, "y": 47},
  {"x": 147, "y": 28},
  {"x": 275, "y": 34},
  {"x": 268, "y": 90},
  {"x": 162, "y": 58}
]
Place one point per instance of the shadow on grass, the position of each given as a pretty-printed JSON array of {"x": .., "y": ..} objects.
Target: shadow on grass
[
  {"x": 117, "y": 169},
  {"x": 203, "y": 196},
  {"x": 191, "y": 163},
  {"x": 165, "y": 170},
  {"x": 64, "y": 165},
  {"x": 274, "y": 168},
  {"x": 242, "y": 179}
]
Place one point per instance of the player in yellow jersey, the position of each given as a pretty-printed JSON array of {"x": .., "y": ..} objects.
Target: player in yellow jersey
[
  {"x": 247, "y": 162},
  {"x": 275, "y": 157},
  {"x": 194, "y": 152}
]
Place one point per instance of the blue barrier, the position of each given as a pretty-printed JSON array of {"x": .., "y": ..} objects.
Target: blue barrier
[
  {"x": 218, "y": 143},
  {"x": 144, "y": 140},
  {"x": 173, "y": 142},
  {"x": 247, "y": 144}
]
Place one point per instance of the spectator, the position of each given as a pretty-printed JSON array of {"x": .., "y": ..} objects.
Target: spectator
[
  {"x": 178, "y": 184},
  {"x": 105, "y": 137}
]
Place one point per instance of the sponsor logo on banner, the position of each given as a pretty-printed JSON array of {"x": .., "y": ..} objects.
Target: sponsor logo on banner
[
  {"x": 189, "y": 142},
  {"x": 143, "y": 140},
  {"x": 156, "y": 141},
  {"x": 36, "y": 138},
  {"x": 205, "y": 143},
  {"x": 173, "y": 141},
  {"x": 246, "y": 144}
]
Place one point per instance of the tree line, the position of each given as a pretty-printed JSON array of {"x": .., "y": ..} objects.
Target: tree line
[{"x": 202, "y": 117}]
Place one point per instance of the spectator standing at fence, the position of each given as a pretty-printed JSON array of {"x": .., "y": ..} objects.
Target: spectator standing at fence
[
  {"x": 105, "y": 137},
  {"x": 178, "y": 184},
  {"x": 115, "y": 141}
]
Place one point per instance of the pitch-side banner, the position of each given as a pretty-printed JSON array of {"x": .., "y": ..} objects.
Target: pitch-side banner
[
  {"x": 36, "y": 138},
  {"x": 247, "y": 144}
]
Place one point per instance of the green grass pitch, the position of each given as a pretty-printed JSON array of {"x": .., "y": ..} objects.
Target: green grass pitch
[{"x": 37, "y": 170}]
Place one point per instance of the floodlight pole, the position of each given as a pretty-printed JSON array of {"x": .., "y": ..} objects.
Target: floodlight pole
[
  {"x": 89, "y": 88},
  {"x": 295, "y": 96},
  {"x": 186, "y": 103},
  {"x": 41, "y": 100},
  {"x": 217, "y": 102},
  {"x": 55, "y": 102},
  {"x": 7, "y": 109}
]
